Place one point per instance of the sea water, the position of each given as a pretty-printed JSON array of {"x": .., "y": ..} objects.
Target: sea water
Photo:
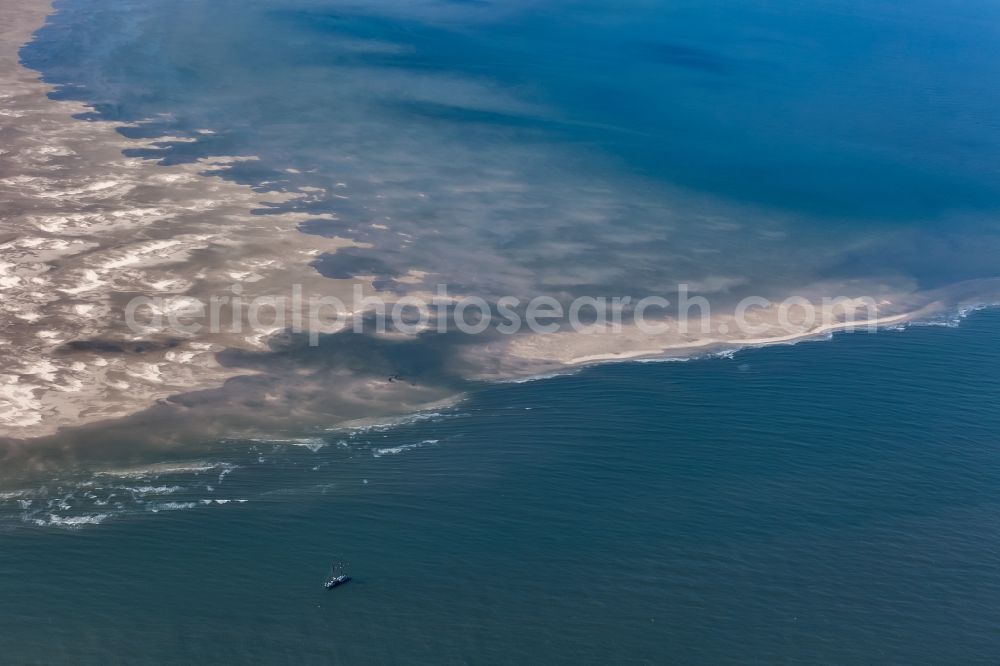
[{"x": 829, "y": 502}]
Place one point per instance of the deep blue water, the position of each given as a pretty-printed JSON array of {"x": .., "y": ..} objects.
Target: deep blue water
[{"x": 831, "y": 502}]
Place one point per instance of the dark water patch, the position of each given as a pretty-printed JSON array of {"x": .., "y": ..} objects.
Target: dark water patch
[
  {"x": 350, "y": 262},
  {"x": 106, "y": 346},
  {"x": 469, "y": 115},
  {"x": 325, "y": 228},
  {"x": 686, "y": 57}
]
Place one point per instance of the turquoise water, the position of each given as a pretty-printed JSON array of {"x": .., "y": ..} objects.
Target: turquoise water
[
  {"x": 832, "y": 502},
  {"x": 578, "y": 147}
]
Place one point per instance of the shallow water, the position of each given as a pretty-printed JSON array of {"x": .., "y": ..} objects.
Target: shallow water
[
  {"x": 577, "y": 147},
  {"x": 519, "y": 150},
  {"x": 829, "y": 502}
]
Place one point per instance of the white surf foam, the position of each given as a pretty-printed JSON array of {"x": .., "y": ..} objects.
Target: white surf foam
[
  {"x": 396, "y": 450},
  {"x": 314, "y": 444},
  {"x": 54, "y": 520}
]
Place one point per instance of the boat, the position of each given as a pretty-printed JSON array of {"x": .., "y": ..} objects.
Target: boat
[
  {"x": 337, "y": 577},
  {"x": 336, "y": 580}
]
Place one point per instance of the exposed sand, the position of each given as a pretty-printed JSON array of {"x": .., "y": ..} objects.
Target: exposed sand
[
  {"x": 887, "y": 306},
  {"x": 636, "y": 344},
  {"x": 84, "y": 228}
]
